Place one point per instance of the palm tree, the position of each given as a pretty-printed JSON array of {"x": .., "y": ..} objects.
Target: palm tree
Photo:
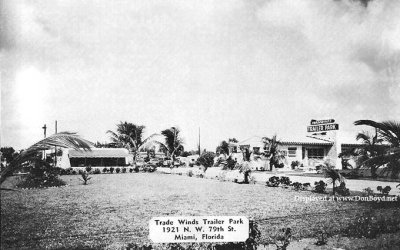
[
  {"x": 62, "y": 139},
  {"x": 271, "y": 150},
  {"x": 388, "y": 133},
  {"x": 173, "y": 142},
  {"x": 129, "y": 136},
  {"x": 371, "y": 148},
  {"x": 333, "y": 175}
]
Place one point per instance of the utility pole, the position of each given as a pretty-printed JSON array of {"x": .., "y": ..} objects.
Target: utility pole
[
  {"x": 55, "y": 148},
  {"x": 199, "y": 143},
  {"x": 44, "y": 132}
]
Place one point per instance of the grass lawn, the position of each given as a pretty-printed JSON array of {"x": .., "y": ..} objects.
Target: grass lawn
[{"x": 114, "y": 209}]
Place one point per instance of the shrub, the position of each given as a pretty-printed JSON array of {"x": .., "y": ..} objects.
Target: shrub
[
  {"x": 85, "y": 177},
  {"x": 273, "y": 181},
  {"x": 295, "y": 164},
  {"x": 306, "y": 186},
  {"x": 280, "y": 165},
  {"x": 111, "y": 170},
  {"x": 117, "y": 170},
  {"x": 130, "y": 170},
  {"x": 105, "y": 170},
  {"x": 40, "y": 175},
  {"x": 368, "y": 191},
  {"x": 190, "y": 173},
  {"x": 342, "y": 190},
  {"x": 88, "y": 169},
  {"x": 123, "y": 170},
  {"x": 97, "y": 171},
  {"x": 206, "y": 159},
  {"x": 297, "y": 186},
  {"x": 80, "y": 171},
  {"x": 385, "y": 190},
  {"x": 320, "y": 187},
  {"x": 73, "y": 172},
  {"x": 68, "y": 171},
  {"x": 281, "y": 239},
  {"x": 136, "y": 169},
  {"x": 285, "y": 180}
]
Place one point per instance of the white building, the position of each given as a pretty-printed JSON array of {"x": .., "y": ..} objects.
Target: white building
[
  {"x": 307, "y": 151},
  {"x": 96, "y": 157}
]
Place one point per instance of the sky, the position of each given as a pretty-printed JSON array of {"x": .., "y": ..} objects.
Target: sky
[{"x": 233, "y": 68}]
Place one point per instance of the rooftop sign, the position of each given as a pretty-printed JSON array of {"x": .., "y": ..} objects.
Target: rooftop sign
[
  {"x": 324, "y": 127},
  {"x": 317, "y": 122}
]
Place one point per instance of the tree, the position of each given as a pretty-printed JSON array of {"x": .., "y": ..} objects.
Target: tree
[
  {"x": 371, "y": 147},
  {"x": 223, "y": 148},
  {"x": 271, "y": 150},
  {"x": 206, "y": 159},
  {"x": 388, "y": 134},
  {"x": 8, "y": 153},
  {"x": 333, "y": 175},
  {"x": 62, "y": 139},
  {"x": 129, "y": 136},
  {"x": 173, "y": 142},
  {"x": 233, "y": 140}
]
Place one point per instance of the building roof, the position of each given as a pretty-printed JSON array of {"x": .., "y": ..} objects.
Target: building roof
[
  {"x": 99, "y": 153},
  {"x": 256, "y": 141}
]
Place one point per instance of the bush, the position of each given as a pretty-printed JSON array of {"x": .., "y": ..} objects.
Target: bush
[
  {"x": 88, "y": 169},
  {"x": 385, "y": 190},
  {"x": 68, "y": 171},
  {"x": 342, "y": 190},
  {"x": 85, "y": 177},
  {"x": 40, "y": 175},
  {"x": 73, "y": 172},
  {"x": 111, "y": 170},
  {"x": 63, "y": 172},
  {"x": 306, "y": 186},
  {"x": 320, "y": 187},
  {"x": 105, "y": 170},
  {"x": 285, "y": 180},
  {"x": 97, "y": 171},
  {"x": 368, "y": 192},
  {"x": 136, "y": 169},
  {"x": 123, "y": 170},
  {"x": 190, "y": 173},
  {"x": 130, "y": 170},
  {"x": 297, "y": 186},
  {"x": 117, "y": 170},
  {"x": 295, "y": 164},
  {"x": 273, "y": 181},
  {"x": 206, "y": 159}
]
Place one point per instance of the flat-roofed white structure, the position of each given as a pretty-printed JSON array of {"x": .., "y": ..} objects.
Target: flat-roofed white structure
[
  {"x": 96, "y": 157},
  {"x": 307, "y": 151}
]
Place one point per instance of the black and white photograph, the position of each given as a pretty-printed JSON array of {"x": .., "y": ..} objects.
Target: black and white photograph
[{"x": 200, "y": 124}]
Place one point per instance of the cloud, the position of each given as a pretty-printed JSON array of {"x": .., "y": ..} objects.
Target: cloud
[{"x": 234, "y": 68}]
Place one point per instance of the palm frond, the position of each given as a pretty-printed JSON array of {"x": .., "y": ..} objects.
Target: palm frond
[{"x": 62, "y": 139}]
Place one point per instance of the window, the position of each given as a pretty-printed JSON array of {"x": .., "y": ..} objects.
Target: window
[
  {"x": 317, "y": 153},
  {"x": 292, "y": 151}
]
